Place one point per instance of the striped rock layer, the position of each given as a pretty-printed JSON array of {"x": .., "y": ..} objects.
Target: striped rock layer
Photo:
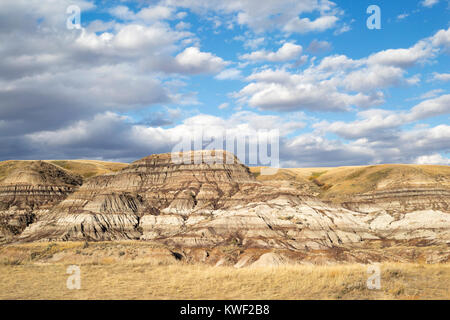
[
  {"x": 206, "y": 203},
  {"x": 30, "y": 190}
]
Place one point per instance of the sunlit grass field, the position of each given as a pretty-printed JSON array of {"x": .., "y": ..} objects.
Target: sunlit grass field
[{"x": 34, "y": 272}]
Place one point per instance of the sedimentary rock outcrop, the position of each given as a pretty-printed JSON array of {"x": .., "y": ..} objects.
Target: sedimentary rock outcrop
[
  {"x": 401, "y": 202},
  {"x": 208, "y": 204},
  {"x": 152, "y": 196},
  {"x": 394, "y": 188},
  {"x": 407, "y": 199},
  {"x": 213, "y": 209},
  {"x": 28, "y": 190}
]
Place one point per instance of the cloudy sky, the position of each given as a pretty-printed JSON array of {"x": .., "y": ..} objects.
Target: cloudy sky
[{"x": 138, "y": 76}]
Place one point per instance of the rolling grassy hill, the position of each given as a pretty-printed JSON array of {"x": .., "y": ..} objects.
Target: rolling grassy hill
[
  {"x": 83, "y": 168},
  {"x": 334, "y": 181},
  {"x": 89, "y": 168}
]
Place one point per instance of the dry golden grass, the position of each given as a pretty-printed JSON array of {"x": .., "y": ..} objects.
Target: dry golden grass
[
  {"x": 89, "y": 168},
  {"x": 342, "y": 181},
  {"x": 136, "y": 270},
  {"x": 8, "y": 166},
  {"x": 84, "y": 168},
  {"x": 180, "y": 281}
]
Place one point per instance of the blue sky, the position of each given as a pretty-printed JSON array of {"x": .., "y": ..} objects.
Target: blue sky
[{"x": 138, "y": 76}]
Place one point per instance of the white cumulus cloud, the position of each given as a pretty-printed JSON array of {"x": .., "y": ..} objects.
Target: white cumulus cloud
[{"x": 288, "y": 51}]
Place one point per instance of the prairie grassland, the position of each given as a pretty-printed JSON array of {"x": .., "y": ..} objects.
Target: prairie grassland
[
  {"x": 36, "y": 271},
  {"x": 337, "y": 182},
  {"x": 89, "y": 168},
  {"x": 181, "y": 281}
]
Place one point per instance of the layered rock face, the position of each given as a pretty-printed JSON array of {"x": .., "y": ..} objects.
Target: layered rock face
[
  {"x": 394, "y": 188},
  {"x": 398, "y": 202},
  {"x": 401, "y": 200},
  {"x": 125, "y": 204},
  {"x": 28, "y": 191},
  {"x": 213, "y": 201},
  {"x": 407, "y": 213}
]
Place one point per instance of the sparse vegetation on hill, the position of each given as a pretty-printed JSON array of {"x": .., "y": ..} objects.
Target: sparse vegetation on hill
[
  {"x": 84, "y": 168},
  {"x": 89, "y": 168},
  {"x": 344, "y": 181},
  {"x": 36, "y": 173}
]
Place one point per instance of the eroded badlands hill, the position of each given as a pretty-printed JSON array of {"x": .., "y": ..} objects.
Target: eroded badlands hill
[
  {"x": 28, "y": 190},
  {"x": 393, "y": 188},
  {"x": 208, "y": 206}
]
